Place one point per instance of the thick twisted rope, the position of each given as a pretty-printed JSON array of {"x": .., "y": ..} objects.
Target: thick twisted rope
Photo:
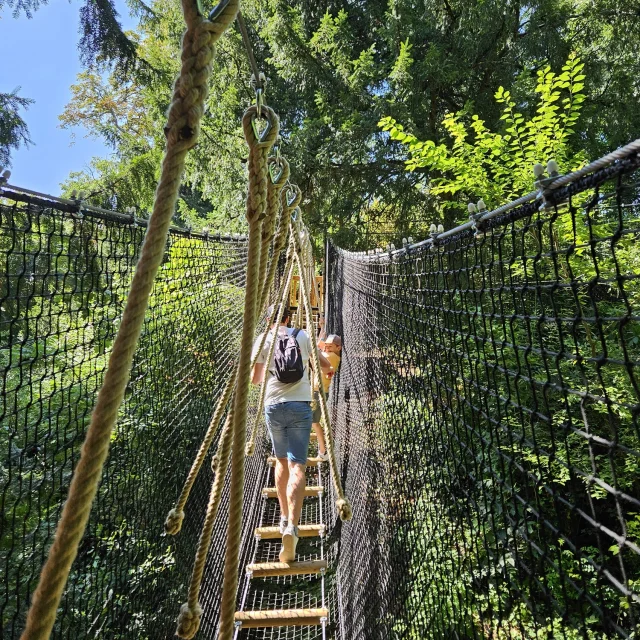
[
  {"x": 342, "y": 504},
  {"x": 191, "y": 612},
  {"x": 289, "y": 198},
  {"x": 183, "y": 125},
  {"x": 173, "y": 523},
  {"x": 256, "y": 211},
  {"x": 274, "y": 189},
  {"x": 283, "y": 294}
]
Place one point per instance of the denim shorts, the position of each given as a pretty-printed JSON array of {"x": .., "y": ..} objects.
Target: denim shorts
[{"x": 289, "y": 425}]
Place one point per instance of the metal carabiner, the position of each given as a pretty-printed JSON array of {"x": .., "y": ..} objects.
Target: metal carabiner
[{"x": 258, "y": 84}]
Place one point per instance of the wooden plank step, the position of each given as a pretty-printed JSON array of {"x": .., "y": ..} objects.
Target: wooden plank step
[
  {"x": 311, "y": 462},
  {"x": 304, "y": 531},
  {"x": 314, "y": 437},
  {"x": 272, "y": 569},
  {"x": 270, "y": 492},
  {"x": 281, "y": 618}
]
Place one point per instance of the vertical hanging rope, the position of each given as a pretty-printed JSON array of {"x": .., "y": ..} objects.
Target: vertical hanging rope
[
  {"x": 173, "y": 523},
  {"x": 175, "y": 517},
  {"x": 183, "y": 126},
  {"x": 282, "y": 297},
  {"x": 256, "y": 210},
  {"x": 191, "y": 611},
  {"x": 278, "y": 176},
  {"x": 342, "y": 504},
  {"x": 289, "y": 198}
]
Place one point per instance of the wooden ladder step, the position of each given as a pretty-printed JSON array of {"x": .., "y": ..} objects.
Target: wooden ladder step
[
  {"x": 304, "y": 531},
  {"x": 281, "y": 618},
  {"x": 270, "y": 492},
  {"x": 272, "y": 569},
  {"x": 311, "y": 462}
]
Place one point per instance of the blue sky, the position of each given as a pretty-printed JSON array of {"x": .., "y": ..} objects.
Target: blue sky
[{"x": 40, "y": 55}]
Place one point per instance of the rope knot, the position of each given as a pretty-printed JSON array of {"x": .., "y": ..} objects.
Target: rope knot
[
  {"x": 292, "y": 196},
  {"x": 279, "y": 171},
  {"x": 344, "y": 509},
  {"x": 188, "y": 621},
  {"x": 173, "y": 523},
  {"x": 262, "y": 140}
]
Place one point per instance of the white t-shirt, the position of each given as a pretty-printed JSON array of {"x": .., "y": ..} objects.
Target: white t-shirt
[{"x": 277, "y": 391}]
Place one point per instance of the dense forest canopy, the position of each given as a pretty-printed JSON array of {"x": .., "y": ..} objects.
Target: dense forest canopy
[{"x": 335, "y": 70}]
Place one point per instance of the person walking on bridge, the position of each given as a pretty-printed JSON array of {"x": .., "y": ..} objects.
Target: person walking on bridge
[{"x": 288, "y": 414}]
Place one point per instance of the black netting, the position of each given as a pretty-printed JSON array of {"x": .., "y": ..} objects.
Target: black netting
[
  {"x": 64, "y": 283},
  {"x": 486, "y": 412}
]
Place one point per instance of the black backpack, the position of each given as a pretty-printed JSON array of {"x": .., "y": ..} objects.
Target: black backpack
[{"x": 288, "y": 359}]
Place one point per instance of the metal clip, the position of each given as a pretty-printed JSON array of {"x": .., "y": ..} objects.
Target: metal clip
[
  {"x": 434, "y": 232},
  {"x": 542, "y": 183},
  {"x": 77, "y": 197},
  {"x": 217, "y": 10},
  {"x": 259, "y": 86},
  {"x": 476, "y": 211}
]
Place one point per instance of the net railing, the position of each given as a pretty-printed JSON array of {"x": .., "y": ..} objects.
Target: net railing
[
  {"x": 487, "y": 416},
  {"x": 66, "y": 271}
]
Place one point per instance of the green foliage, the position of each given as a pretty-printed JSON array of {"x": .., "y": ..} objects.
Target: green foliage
[
  {"x": 335, "y": 70},
  {"x": 103, "y": 39},
  {"x": 58, "y": 318},
  {"x": 497, "y": 166},
  {"x": 13, "y": 129}
]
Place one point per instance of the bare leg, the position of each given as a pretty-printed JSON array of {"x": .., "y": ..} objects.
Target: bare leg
[
  {"x": 322, "y": 445},
  {"x": 282, "y": 480},
  {"x": 295, "y": 491}
]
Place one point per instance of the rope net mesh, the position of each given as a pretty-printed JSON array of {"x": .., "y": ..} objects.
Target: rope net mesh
[
  {"x": 66, "y": 282},
  {"x": 485, "y": 415},
  {"x": 486, "y": 412}
]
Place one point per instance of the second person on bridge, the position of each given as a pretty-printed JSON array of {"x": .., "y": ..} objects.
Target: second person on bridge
[{"x": 287, "y": 407}]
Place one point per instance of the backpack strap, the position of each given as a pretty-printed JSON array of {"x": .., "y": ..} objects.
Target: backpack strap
[{"x": 295, "y": 333}]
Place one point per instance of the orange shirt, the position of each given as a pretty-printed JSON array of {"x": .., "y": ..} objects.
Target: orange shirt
[{"x": 334, "y": 361}]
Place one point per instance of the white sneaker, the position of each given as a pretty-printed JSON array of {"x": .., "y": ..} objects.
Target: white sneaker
[
  {"x": 323, "y": 457},
  {"x": 289, "y": 543},
  {"x": 283, "y": 524}
]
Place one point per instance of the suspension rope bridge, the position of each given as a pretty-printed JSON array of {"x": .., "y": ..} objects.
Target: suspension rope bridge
[{"x": 484, "y": 422}]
